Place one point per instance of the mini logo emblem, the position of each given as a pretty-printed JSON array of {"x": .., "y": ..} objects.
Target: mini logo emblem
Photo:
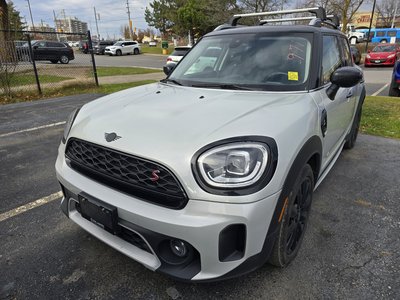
[
  {"x": 154, "y": 175},
  {"x": 111, "y": 137}
]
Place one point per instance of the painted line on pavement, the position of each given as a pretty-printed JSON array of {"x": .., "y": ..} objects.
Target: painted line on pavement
[
  {"x": 380, "y": 90},
  {"x": 33, "y": 129},
  {"x": 29, "y": 206}
]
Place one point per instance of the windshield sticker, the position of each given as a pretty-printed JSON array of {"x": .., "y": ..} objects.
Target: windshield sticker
[{"x": 293, "y": 76}]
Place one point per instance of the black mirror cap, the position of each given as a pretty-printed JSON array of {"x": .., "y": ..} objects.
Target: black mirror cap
[
  {"x": 168, "y": 68},
  {"x": 346, "y": 77}
]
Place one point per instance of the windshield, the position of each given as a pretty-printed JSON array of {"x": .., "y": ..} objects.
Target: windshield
[
  {"x": 248, "y": 61},
  {"x": 384, "y": 48}
]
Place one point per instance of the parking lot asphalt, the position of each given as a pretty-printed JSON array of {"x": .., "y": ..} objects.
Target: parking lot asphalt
[{"x": 350, "y": 251}]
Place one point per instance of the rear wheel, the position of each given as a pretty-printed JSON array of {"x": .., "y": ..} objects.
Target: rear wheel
[
  {"x": 353, "y": 40},
  {"x": 383, "y": 41},
  {"x": 64, "y": 59},
  {"x": 295, "y": 218},
  {"x": 351, "y": 141},
  {"x": 136, "y": 51}
]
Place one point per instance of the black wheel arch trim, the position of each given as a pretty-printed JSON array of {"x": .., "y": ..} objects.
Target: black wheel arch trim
[
  {"x": 312, "y": 147},
  {"x": 260, "y": 184}
]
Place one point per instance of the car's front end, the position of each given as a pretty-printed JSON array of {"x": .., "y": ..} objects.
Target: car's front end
[
  {"x": 185, "y": 175},
  {"x": 110, "y": 50},
  {"x": 381, "y": 55}
]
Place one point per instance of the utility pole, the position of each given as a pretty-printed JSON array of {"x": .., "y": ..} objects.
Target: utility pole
[
  {"x": 30, "y": 12},
  {"x": 370, "y": 25},
  {"x": 97, "y": 26},
  {"x": 395, "y": 13},
  {"x": 129, "y": 19},
  {"x": 56, "y": 25}
]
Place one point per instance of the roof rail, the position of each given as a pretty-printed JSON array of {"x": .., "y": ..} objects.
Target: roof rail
[{"x": 319, "y": 12}]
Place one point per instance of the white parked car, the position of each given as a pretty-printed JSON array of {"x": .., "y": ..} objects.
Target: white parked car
[
  {"x": 210, "y": 173},
  {"x": 123, "y": 47},
  {"x": 178, "y": 54}
]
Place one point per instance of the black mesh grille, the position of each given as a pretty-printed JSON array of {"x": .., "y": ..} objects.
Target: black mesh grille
[{"x": 126, "y": 173}]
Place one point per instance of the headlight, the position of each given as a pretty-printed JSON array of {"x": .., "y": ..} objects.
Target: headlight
[
  {"x": 69, "y": 123},
  {"x": 240, "y": 166},
  {"x": 368, "y": 56},
  {"x": 391, "y": 55}
]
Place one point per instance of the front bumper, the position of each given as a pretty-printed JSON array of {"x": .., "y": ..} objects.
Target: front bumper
[
  {"x": 110, "y": 51},
  {"x": 380, "y": 62},
  {"x": 201, "y": 224}
]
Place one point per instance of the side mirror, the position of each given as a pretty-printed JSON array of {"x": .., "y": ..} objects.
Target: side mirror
[
  {"x": 35, "y": 47},
  {"x": 344, "y": 77},
  {"x": 368, "y": 51},
  {"x": 168, "y": 68}
]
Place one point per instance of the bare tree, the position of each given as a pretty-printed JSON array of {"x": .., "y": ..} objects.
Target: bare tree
[
  {"x": 386, "y": 10},
  {"x": 263, "y": 5},
  {"x": 344, "y": 9}
]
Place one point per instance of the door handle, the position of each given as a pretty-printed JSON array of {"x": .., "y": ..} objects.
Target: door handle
[{"x": 350, "y": 94}]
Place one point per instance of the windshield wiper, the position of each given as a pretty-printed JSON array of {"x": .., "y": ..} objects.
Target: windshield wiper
[
  {"x": 223, "y": 86},
  {"x": 170, "y": 80}
]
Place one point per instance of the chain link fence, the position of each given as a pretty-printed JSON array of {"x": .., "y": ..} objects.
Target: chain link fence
[{"x": 34, "y": 61}]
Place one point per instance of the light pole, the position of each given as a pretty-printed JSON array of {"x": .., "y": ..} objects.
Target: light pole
[
  {"x": 30, "y": 12},
  {"x": 370, "y": 25}
]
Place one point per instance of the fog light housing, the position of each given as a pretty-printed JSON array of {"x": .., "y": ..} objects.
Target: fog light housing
[{"x": 178, "y": 248}]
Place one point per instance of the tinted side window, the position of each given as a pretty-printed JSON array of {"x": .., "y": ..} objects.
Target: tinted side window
[
  {"x": 331, "y": 59},
  {"x": 391, "y": 33},
  {"x": 346, "y": 52},
  {"x": 380, "y": 33},
  {"x": 55, "y": 45}
]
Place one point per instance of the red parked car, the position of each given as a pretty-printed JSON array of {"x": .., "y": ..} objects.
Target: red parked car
[{"x": 382, "y": 54}]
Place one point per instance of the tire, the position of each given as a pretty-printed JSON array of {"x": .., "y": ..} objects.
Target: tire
[
  {"x": 54, "y": 61},
  {"x": 351, "y": 141},
  {"x": 352, "y": 40},
  {"x": 383, "y": 41},
  {"x": 64, "y": 60},
  {"x": 136, "y": 51},
  {"x": 118, "y": 53},
  {"x": 394, "y": 90},
  {"x": 295, "y": 218}
]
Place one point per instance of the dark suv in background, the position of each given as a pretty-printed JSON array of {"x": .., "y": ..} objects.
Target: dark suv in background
[
  {"x": 101, "y": 46},
  {"x": 52, "y": 51}
]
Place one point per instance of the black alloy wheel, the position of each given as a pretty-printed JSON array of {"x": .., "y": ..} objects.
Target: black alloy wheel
[
  {"x": 351, "y": 141},
  {"x": 294, "y": 220}
]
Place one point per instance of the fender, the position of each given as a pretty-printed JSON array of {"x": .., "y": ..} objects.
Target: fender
[{"x": 312, "y": 147}]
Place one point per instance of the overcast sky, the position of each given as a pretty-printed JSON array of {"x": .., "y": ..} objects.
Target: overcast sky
[{"x": 113, "y": 13}]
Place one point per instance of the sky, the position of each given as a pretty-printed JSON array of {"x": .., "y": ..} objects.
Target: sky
[{"x": 113, "y": 13}]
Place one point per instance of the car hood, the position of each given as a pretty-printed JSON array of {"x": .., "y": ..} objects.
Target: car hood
[
  {"x": 161, "y": 117},
  {"x": 378, "y": 55}
]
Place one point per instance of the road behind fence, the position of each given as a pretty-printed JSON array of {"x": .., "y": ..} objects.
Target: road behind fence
[{"x": 33, "y": 61}]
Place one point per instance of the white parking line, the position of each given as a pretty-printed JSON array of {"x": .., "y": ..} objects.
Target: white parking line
[
  {"x": 380, "y": 90},
  {"x": 32, "y": 129},
  {"x": 29, "y": 206}
]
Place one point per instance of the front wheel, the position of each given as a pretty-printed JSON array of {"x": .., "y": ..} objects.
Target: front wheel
[
  {"x": 295, "y": 218},
  {"x": 118, "y": 53}
]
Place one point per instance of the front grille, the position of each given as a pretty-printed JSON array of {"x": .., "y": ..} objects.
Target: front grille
[{"x": 126, "y": 173}]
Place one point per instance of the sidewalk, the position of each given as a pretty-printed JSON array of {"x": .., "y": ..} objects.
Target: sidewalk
[{"x": 131, "y": 78}]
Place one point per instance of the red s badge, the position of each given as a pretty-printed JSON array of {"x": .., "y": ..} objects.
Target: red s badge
[{"x": 154, "y": 175}]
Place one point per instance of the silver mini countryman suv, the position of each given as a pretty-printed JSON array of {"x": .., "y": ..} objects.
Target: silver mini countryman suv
[{"x": 210, "y": 173}]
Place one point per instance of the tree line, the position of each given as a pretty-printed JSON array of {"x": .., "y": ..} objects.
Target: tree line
[{"x": 197, "y": 17}]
